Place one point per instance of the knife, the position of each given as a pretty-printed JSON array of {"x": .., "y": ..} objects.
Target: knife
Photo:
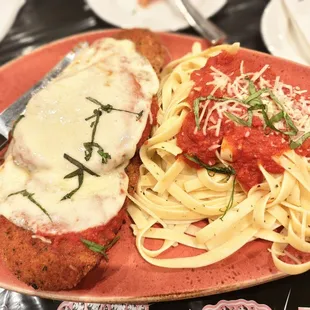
[
  {"x": 13, "y": 112},
  {"x": 205, "y": 27}
]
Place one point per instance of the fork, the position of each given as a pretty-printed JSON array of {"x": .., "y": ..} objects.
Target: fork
[
  {"x": 205, "y": 27},
  {"x": 13, "y": 112}
]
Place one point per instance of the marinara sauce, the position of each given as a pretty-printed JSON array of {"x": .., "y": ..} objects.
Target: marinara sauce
[{"x": 251, "y": 145}]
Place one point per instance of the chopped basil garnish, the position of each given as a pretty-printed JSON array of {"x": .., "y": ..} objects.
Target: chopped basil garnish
[
  {"x": 290, "y": 124},
  {"x": 300, "y": 141},
  {"x": 252, "y": 88},
  {"x": 196, "y": 110},
  {"x": 78, "y": 172},
  {"x": 89, "y": 150},
  {"x": 102, "y": 249},
  {"x": 210, "y": 97},
  {"x": 224, "y": 170},
  {"x": 255, "y": 97},
  {"x": 199, "y": 99},
  {"x": 255, "y": 102},
  {"x": 108, "y": 108},
  {"x": 28, "y": 195},
  {"x": 239, "y": 120},
  {"x": 90, "y": 145},
  {"x": 79, "y": 165},
  {"x": 231, "y": 200},
  {"x": 277, "y": 117}
]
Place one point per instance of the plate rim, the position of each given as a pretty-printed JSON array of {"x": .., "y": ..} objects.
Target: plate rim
[
  {"x": 65, "y": 295},
  {"x": 145, "y": 299}
]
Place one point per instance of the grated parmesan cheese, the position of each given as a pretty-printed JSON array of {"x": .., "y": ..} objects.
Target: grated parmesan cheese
[
  {"x": 43, "y": 239},
  {"x": 296, "y": 106},
  {"x": 214, "y": 147},
  {"x": 260, "y": 73}
]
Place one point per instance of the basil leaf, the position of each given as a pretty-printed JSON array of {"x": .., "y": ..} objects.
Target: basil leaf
[
  {"x": 252, "y": 88},
  {"x": 98, "y": 248},
  {"x": 275, "y": 99},
  {"x": 277, "y": 118},
  {"x": 95, "y": 247},
  {"x": 223, "y": 170},
  {"x": 104, "y": 156},
  {"x": 231, "y": 200},
  {"x": 250, "y": 118},
  {"x": 97, "y": 113},
  {"x": 210, "y": 97},
  {"x": 291, "y": 125},
  {"x": 267, "y": 121},
  {"x": 260, "y": 106},
  {"x": 73, "y": 174},
  {"x": 79, "y": 165},
  {"x": 254, "y": 97},
  {"x": 251, "y": 99},
  {"x": 196, "y": 109},
  {"x": 28, "y": 195},
  {"x": 89, "y": 150},
  {"x": 239, "y": 120},
  {"x": 139, "y": 115},
  {"x": 108, "y": 108},
  {"x": 300, "y": 141},
  {"x": 79, "y": 173}
]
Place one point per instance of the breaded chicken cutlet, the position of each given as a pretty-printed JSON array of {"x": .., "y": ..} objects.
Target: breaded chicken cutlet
[{"x": 60, "y": 262}]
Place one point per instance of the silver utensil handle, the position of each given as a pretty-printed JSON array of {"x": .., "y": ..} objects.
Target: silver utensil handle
[
  {"x": 205, "y": 27},
  {"x": 9, "y": 115}
]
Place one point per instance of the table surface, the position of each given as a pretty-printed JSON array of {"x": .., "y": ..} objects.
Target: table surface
[{"x": 42, "y": 21}]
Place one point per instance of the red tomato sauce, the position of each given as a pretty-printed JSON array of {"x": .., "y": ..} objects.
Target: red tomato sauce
[
  {"x": 251, "y": 145},
  {"x": 100, "y": 234}
]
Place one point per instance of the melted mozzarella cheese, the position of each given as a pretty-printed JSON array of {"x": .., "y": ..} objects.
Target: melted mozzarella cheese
[{"x": 111, "y": 72}]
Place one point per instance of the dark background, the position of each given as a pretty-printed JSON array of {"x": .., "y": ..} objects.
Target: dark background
[{"x": 42, "y": 21}]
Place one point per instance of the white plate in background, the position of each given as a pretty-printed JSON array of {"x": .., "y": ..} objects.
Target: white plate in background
[
  {"x": 8, "y": 12},
  {"x": 161, "y": 15},
  {"x": 278, "y": 33}
]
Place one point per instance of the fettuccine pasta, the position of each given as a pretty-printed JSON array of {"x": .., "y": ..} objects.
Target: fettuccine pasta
[{"x": 181, "y": 201}]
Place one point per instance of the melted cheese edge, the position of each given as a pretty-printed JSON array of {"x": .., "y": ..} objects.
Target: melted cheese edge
[{"x": 112, "y": 72}]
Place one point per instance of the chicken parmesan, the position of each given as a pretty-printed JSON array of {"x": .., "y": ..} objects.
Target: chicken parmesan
[
  {"x": 228, "y": 162},
  {"x": 64, "y": 180}
]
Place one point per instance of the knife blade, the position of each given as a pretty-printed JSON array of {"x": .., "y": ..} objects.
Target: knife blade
[
  {"x": 13, "y": 112},
  {"x": 205, "y": 27}
]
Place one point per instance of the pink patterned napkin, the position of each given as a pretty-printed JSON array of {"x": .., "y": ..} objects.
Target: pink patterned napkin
[
  {"x": 239, "y": 304},
  {"x": 86, "y": 306}
]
